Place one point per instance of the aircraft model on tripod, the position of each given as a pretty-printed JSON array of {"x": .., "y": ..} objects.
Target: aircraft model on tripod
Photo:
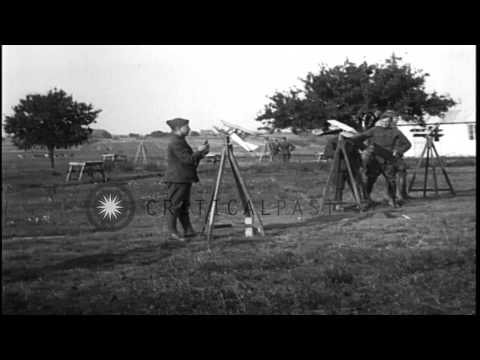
[
  {"x": 252, "y": 217},
  {"x": 336, "y": 174}
]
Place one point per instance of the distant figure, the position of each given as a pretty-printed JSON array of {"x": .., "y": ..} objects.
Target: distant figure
[
  {"x": 266, "y": 149},
  {"x": 275, "y": 149},
  {"x": 286, "y": 149}
]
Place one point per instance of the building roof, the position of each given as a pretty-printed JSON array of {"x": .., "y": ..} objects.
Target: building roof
[{"x": 454, "y": 116}]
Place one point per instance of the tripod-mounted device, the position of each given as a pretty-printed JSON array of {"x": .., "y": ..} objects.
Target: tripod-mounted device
[
  {"x": 250, "y": 212},
  {"x": 431, "y": 134},
  {"x": 334, "y": 174}
]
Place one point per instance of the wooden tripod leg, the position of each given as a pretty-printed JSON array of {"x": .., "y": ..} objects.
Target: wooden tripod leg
[
  {"x": 213, "y": 206},
  {"x": 244, "y": 189},
  {"x": 427, "y": 164},
  {"x": 246, "y": 207},
  {"x": 434, "y": 172},
  {"x": 419, "y": 164},
  {"x": 350, "y": 174},
  {"x": 443, "y": 170},
  {"x": 144, "y": 155},
  {"x": 333, "y": 173}
]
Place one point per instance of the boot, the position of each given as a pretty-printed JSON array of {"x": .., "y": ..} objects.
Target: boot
[
  {"x": 391, "y": 195},
  {"x": 402, "y": 193},
  {"x": 172, "y": 227},
  {"x": 187, "y": 225}
]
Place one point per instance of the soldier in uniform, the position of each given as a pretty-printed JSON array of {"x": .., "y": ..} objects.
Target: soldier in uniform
[
  {"x": 286, "y": 149},
  {"x": 267, "y": 149},
  {"x": 275, "y": 149},
  {"x": 383, "y": 155},
  {"x": 402, "y": 193},
  {"x": 181, "y": 172}
]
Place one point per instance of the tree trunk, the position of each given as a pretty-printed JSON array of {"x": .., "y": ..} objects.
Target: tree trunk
[{"x": 51, "y": 156}]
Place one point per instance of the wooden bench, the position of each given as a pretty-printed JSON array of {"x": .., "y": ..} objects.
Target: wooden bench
[
  {"x": 90, "y": 167},
  {"x": 213, "y": 158},
  {"x": 114, "y": 157}
]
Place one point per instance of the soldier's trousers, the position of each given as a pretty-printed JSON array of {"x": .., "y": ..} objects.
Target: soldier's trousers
[
  {"x": 390, "y": 169},
  {"x": 177, "y": 205}
]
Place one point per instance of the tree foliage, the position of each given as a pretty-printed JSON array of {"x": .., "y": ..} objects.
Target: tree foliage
[
  {"x": 53, "y": 120},
  {"x": 345, "y": 92}
]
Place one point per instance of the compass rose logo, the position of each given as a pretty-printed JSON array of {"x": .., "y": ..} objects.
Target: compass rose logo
[{"x": 110, "y": 207}]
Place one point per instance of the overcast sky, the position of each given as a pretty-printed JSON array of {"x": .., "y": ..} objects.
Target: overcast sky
[{"x": 140, "y": 87}]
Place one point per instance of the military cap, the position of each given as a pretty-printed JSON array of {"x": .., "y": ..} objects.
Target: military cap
[{"x": 177, "y": 123}]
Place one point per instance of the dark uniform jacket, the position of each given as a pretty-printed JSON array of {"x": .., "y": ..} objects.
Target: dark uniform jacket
[
  {"x": 390, "y": 139},
  {"x": 273, "y": 147},
  {"x": 182, "y": 162},
  {"x": 285, "y": 147}
]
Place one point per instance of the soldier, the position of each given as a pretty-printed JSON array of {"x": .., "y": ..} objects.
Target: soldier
[
  {"x": 181, "y": 172},
  {"x": 285, "y": 149},
  {"x": 402, "y": 193},
  {"x": 275, "y": 149},
  {"x": 267, "y": 149},
  {"x": 386, "y": 146},
  {"x": 342, "y": 175}
]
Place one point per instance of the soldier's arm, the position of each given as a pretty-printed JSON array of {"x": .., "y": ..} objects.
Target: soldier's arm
[
  {"x": 402, "y": 144},
  {"x": 184, "y": 155},
  {"x": 362, "y": 136}
]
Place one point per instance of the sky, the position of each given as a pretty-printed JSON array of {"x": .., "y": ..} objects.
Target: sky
[{"x": 140, "y": 87}]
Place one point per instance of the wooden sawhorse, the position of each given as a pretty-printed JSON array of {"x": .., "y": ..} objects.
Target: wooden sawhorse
[{"x": 90, "y": 167}]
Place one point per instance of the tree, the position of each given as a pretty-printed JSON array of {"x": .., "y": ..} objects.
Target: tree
[
  {"x": 53, "y": 120},
  {"x": 158, "y": 134},
  {"x": 100, "y": 134},
  {"x": 347, "y": 91}
]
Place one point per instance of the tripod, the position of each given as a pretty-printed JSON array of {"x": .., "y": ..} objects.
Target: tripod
[
  {"x": 429, "y": 151},
  {"x": 141, "y": 155},
  {"x": 335, "y": 173},
  {"x": 249, "y": 209}
]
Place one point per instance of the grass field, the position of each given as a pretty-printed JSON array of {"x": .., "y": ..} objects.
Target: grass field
[{"x": 418, "y": 259}]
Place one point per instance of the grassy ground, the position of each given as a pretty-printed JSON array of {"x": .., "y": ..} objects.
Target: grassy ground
[
  {"x": 377, "y": 262},
  {"x": 419, "y": 259}
]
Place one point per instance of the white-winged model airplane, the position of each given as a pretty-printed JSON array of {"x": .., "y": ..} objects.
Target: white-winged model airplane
[
  {"x": 334, "y": 128},
  {"x": 238, "y": 135}
]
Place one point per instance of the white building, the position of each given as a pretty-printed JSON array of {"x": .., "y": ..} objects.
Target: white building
[{"x": 459, "y": 134}]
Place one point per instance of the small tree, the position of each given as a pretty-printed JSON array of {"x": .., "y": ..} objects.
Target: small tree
[{"x": 54, "y": 120}]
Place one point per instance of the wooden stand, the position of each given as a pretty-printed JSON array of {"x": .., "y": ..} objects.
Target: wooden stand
[
  {"x": 335, "y": 173},
  {"x": 249, "y": 209},
  {"x": 428, "y": 152},
  {"x": 90, "y": 167}
]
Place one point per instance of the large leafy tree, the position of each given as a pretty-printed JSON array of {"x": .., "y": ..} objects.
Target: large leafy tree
[
  {"x": 53, "y": 120},
  {"x": 345, "y": 92}
]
